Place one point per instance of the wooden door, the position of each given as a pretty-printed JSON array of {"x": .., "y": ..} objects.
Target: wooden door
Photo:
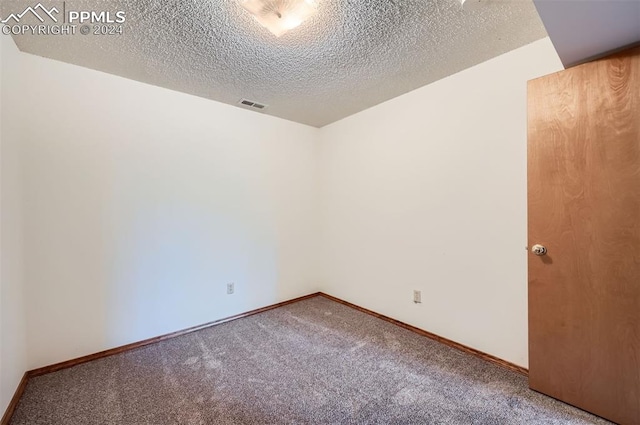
[{"x": 584, "y": 207}]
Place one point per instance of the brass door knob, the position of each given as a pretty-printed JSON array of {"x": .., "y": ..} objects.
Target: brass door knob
[{"x": 539, "y": 250}]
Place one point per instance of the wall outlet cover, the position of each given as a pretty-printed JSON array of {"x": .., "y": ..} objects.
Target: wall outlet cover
[{"x": 417, "y": 296}]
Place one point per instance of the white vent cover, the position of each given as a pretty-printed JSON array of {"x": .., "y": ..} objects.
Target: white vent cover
[{"x": 252, "y": 104}]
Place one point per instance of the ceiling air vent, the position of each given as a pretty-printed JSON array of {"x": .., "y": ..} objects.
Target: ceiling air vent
[{"x": 252, "y": 104}]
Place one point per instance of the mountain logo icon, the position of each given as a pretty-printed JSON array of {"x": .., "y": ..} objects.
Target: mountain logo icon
[{"x": 38, "y": 11}]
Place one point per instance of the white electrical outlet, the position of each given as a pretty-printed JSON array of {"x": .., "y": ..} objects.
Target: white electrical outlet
[
  {"x": 230, "y": 288},
  {"x": 417, "y": 296}
]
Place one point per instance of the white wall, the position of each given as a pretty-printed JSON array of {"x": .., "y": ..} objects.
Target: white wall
[
  {"x": 428, "y": 191},
  {"x": 582, "y": 30},
  {"x": 12, "y": 315},
  {"x": 142, "y": 203}
]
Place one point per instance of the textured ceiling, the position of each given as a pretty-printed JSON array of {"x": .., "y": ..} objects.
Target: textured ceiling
[{"x": 351, "y": 55}]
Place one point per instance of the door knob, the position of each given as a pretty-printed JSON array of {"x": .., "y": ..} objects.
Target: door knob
[{"x": 539, "y": 250}]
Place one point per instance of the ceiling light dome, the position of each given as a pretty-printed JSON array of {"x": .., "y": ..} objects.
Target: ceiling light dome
[
  {"x": 280, "y": 16},
  {"x": 472, "y": 4}
]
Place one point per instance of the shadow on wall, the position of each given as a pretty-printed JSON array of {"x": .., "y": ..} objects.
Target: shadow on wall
[
  {"x": 129, "y": 252},
  {"x": 172, "y": 264}
]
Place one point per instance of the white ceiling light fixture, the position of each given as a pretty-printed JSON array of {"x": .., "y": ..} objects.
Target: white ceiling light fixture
[
  {"x": 472, "y": 4},
  {"x": 280, "y": 16}
]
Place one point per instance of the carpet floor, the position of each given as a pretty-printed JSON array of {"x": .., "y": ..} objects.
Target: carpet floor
[{"x": 312, "y": 362}]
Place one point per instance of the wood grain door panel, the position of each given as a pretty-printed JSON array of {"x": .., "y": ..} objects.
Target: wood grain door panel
[{"x": 584, "y": 206}]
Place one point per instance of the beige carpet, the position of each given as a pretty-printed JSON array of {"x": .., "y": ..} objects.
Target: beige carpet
[{"x": 312, "y": 362}]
